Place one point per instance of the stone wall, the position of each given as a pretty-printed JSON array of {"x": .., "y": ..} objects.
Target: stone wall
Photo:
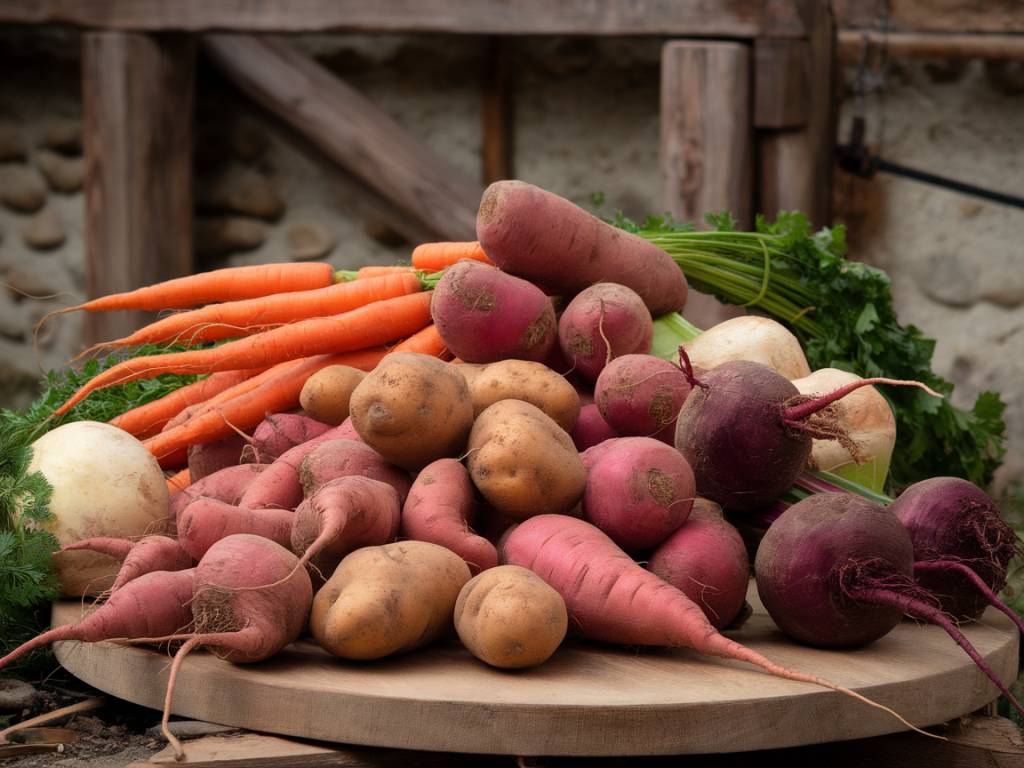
[{"x": 586, "y": 122}]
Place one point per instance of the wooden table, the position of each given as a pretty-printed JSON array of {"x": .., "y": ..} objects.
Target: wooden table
[{"x": 586, "y": 701}]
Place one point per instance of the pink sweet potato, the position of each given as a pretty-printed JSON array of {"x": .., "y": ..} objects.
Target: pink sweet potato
[
  {"x": 206, "y": 458},
  {"x": 279, "y": 486},
  {"x": 206, "y": 521},
  {"x": 280, "y": 432},
  {"x": 440, "y": 510},
  {"x": 485, "y": 315},
  {"x": 341, "y": 458},
  {"x": 544, "y": 238},
  {"x": 344, "y": 514},
  {"x": 250, "y": 601},
  {"x": 601, "y": 323},
  {"x": 150, "y": 553},
  {"x": 154, "y": 605},
  {"x": 226, "y": 485}
]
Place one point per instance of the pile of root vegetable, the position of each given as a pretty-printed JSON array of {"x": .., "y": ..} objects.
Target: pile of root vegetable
[{"x": 483, "y": 442}]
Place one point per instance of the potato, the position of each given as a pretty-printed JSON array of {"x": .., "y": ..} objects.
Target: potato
[
  {"x": 524, "y": 380},
  {"x": 105, "y": 483},
  {"x": 388, "y": 599},
  {"x": 325, "y": 395},
  {"x": 413, "y": 409},
  {"x": 509, "y": 617},
  {"x": 523, "y": 462}
]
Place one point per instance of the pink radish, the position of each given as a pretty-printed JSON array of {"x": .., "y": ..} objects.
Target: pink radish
[{"x": 602, "y": 322}]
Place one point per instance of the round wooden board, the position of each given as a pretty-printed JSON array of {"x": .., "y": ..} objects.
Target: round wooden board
[{"x": 588, "y": 700}]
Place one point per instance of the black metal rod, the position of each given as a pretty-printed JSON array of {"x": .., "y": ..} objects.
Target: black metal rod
[{"x": 941, "y": 181}]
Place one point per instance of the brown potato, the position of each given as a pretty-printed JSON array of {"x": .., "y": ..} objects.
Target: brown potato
[
  {"x": 523, "y": 462},
  {"x": 388, "y": 599},
  {"x": 326, "y": 394},
  {"x": 509, "y": 617},
  {"x": 524, "y": 380},
  {"x": 413, "y": 409}
]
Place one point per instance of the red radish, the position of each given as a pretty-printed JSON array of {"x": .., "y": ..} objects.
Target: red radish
[
  {"x": 341, "y": 458},
  {"x": 485, "y": 315},
  {"x": 440, "y": 509},
  {"x": 280, "y": 432},
  {"x": 250, "y": 601},
  {"x": 707, "y": 561},
  {"x": 591, "y": 428},
  {"x": 962, "y": 546},
  {"x": 280, "y": 486},
  {"x": 206, "y": 458},
  {"x": 612, "y": 599},
  {"x": 227, "y": 485},
  {"x": 150, "y": 553},
  {"x": 538, "y": 235},
  {"x": 836, "y": 570},
  {"x": 154, "y": 605},
  {"x": 747, "y": 432},
  {"x": 343, "y": 515},
  {"x": 639, "y": 491},
  {"x": 205, "y": 521},
  {"x": 601, "y": 323},
  {"x": 641, "y": 395}
]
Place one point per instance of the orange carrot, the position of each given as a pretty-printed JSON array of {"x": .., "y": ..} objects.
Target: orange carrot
[
  {"x": 229, "y": 284},
  {"x": 277, "y": 393},
  {"x": 374, "y": 324},
  {"x": 433, "y": 257},
  {"x": 427, "y": 342},
  {"x": 179, "y": 481},
  {"x": 365, "y": 273},
  {"x": 148, "y": 419},
  {"x": 243, "y": 318}
]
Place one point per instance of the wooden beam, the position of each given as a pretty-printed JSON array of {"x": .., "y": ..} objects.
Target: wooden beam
[
  {"x": 996, "y": 16},
  {"x": 705, "y": 130},
  {"x": 930, "y": 45},
  {"x": 795, "y": 166},
  {"x": 351, "y": 131},
  {"x": 693, "y": 18},
  {"x": 781, "y": 83},
  {"x": 137, "y": 91},
  {"x": 497, "y": 111}
]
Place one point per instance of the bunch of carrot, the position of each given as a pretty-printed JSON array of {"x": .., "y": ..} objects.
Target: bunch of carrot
[{"x": 283, "y": 322}]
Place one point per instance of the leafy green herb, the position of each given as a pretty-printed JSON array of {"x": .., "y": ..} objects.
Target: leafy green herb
[{"x": 842, "y": 312}]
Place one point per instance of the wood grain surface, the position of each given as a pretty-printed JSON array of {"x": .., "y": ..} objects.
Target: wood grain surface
[{"x": 587, "y": 700}]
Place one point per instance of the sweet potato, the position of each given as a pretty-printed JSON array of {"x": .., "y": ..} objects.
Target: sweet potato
[
  {"x": 342, "y": 458},
  {"x": 538, "y": 235},
  {"x": 279, "y": 433},
  {"x": 227, "y": 485}
]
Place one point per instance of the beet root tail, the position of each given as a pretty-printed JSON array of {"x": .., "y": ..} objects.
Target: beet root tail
[
  {"x": 721, "y": 646},
  {"x": 812, "y": 406},
  {"x": 921, "y": 610},
  {"x": 979, "y": 583}
]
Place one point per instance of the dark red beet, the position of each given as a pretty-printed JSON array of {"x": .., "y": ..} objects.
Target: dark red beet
[
  {"x": 836, "y": 570},
  {"x": 747, "y": 431},
  {"x": 956, "y": 529}
]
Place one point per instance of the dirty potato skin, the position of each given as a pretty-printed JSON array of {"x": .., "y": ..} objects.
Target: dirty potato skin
[
  {"x": 326, "y": 394},
  {"x": 524, "y": 380},
  {"x": 523, "y": 462},
  {"x": 413, "y": 409},
  {"x": 388, "y": 599},
  {"x": 510, "y": 618}
]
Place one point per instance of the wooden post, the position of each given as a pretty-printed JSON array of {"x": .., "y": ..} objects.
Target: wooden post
[
  {"x": 137, "y": 91},
  {"x": 706, "y": 130},
  {"x": 498, "y": 104},
  {"x": 795, "y": 165}
]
